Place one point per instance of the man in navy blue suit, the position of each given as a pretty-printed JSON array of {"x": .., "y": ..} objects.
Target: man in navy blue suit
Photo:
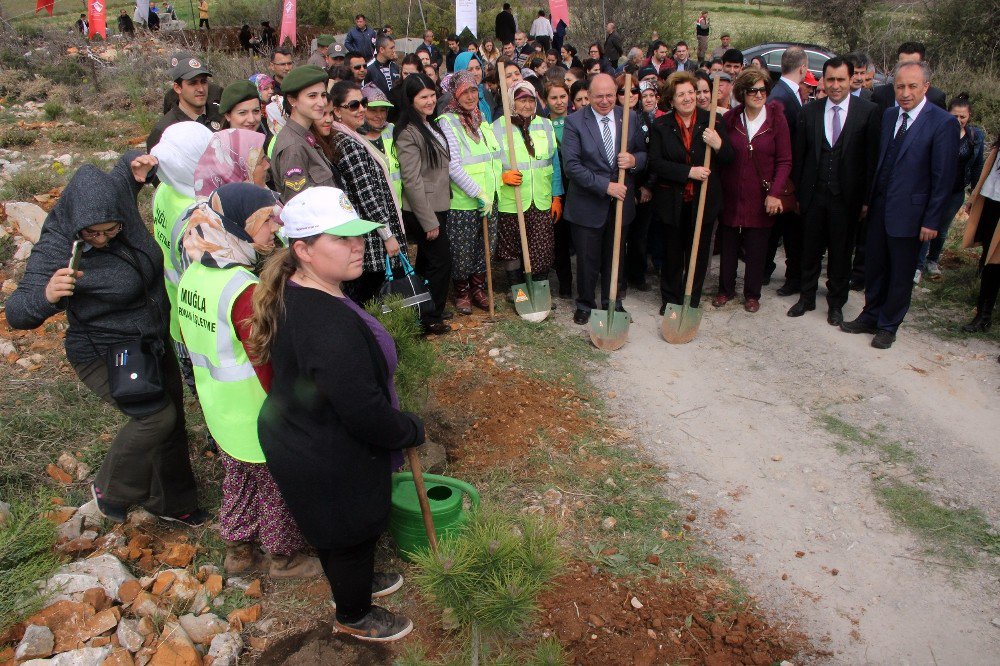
[{"x": 916, "y": 161}]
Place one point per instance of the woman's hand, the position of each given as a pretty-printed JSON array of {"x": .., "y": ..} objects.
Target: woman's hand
[
  {"x": 511, "y": 177},
  {"x": 142, "y": 165},
  {"x": 712, "y": 139},
  {"x": 391, "y": 246},
  {"x": 699, "y": 173},
  {"x": 433, "y": 233},
  {"x": 645, "y": 195},
  {"x": 61, "y": 284},
  {"x": 772, "y": 205}
]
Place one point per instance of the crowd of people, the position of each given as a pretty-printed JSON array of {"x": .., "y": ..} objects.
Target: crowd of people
[{"x": 284, "y": 202}]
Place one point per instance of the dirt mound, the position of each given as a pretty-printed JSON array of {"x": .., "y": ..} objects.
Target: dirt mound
[{"x": 321, "y": 647}]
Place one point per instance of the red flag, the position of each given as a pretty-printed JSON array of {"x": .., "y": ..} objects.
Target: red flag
[
  {"x": 97, "y": 17},
  {"x": 46, "y": 5},
  {"x": 287, "y": 22},
  {"x": 559, "y": 10}
]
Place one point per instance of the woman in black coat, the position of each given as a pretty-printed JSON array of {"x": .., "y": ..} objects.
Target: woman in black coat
[{"x": 677, "y": 146}]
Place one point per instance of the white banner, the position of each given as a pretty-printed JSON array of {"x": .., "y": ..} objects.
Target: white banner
[
  {"x": 465, "y": 16},
  {"x": 142, "y": 10}
]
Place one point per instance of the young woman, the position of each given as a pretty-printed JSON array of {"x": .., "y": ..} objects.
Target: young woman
[
  {"x": 116, "y": 296},
  {"x": 596, "y": 52},
  {"x": 984, "y": 213},
  {"x": 557, "y": 99},
  {"x": 240, "y": 106},
  {"x": 569, "y": 59},
  {"x": 475, "y": 174},
  {"x": 422, "y": 151},
  {"x": 535, "y": 167},
  {"x": 329, "y": 442},
  {"x": 579, "y": 95},
  {"x": 489, "y": 52},
  {"x": 297, "y": 162},
  {"x": 703, "y": 90}
]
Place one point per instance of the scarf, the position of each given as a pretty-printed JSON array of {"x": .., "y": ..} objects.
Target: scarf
[
  {"x": 220, "y": 230},
  {"x": 687, "y": 136},
  {"x": 178, "y": 151},
  {"x": 462, "y": 64},
  {"x": 261, "y": 80},
  {"x": 471, "y": 120},
  {"x": 230, "y": 157},
  {"x": 379, "y": 158}
]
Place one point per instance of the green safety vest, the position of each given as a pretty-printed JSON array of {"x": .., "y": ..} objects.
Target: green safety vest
[
  {"x": 169, "y": 207},
  {"x": 228, "y": 388},
  {"x": 394, "y": 174},
  {"x": 480, "y": 160},
  {"x": 536, "y": 173}
]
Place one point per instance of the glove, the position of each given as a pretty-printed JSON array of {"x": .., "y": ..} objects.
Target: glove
[
  {"x": 511, "y": 177},
  {"x": 556, "y": 209},
  {"x": 480, "y": 204}
]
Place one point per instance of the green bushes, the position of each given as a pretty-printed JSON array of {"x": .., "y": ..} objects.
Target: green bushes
[
  {"x": 26, "y": 555},
  {"x": 983, "y": 93},
  {"x": 418, "y": 361},
  {"x": 53, "y": 110},
  {"x": 16, "y": 137},
  {"x": 28, "y": 182}
]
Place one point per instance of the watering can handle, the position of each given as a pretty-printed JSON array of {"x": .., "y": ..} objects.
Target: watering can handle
[{"x": 401, "y": 477}]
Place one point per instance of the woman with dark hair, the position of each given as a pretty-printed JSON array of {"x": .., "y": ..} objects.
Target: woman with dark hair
[
  {"x": 568, "y": 56},
  {"x": 677, "y": 146},
  {"x": 422, "y": 150},
  {"x": 557, "y": 100},
  {"x": 984, "y": 212},
  {"x": 758, "y": 62},
  {"x": 579, "y": 95},
  {"x": 763, "y": 159},
  {"x": 971, "y": 152},
  {"x": 703, "y": 90},
  {"x": 596, "y": 52},
  {"x": 592, "y": 67}
]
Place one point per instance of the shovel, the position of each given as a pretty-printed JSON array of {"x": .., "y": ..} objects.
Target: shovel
[
  {"x": 425, "y": 508},
  {"x": 489, "y": 268},
  {"x": 609, "y": 329},
  {"x": 680, "y": 322},
  {"x": 532, "y": 300}
]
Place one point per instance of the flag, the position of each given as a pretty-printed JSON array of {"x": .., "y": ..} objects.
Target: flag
[
  {"x": 46, "y": 5},
  {"x": 559, "y": 10},
  {"x": 287, "y": 22},
  {"x": 97, "y": 17}
]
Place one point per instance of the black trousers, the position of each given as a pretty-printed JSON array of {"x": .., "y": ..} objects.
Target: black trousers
[
  {"x": 637, "y": 243},
  {"x": 594, "y": 247},
  {"x": 858, "y": 264},
  {"x": 350, "y": 570},
  {"x": 754, "y": 243},
  {"x": 433, "y": 261},
  {"x": 827, "y": 225},
  {"x": 890, "y": 262},
  {"x": 989, "y": 285},
  {"x": 677, "y": 241},
  {"x": 788, "y": 228},
  {"x": 563, "y": 262}
]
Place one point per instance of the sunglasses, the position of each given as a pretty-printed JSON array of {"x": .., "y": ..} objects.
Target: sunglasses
[
  {"x": 358, "y": 67},
  {"x": 757, "y": 91},
  {"x": 354, "y": 105},
  {"x": 635, "y": 91}
]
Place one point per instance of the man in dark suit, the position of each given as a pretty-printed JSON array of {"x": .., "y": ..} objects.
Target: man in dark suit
[
  {"x": 384, "y": 72},
  {"x": 788, "y": 226},
  {"x": 505, "y": 25},
  {"x": 885, "y": 95},
  {"x": 916, "y": 163},
  {"x": 592, "y": 153},
  {"x": 836, "y": 152}
]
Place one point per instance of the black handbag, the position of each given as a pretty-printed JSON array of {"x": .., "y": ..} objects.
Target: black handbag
[{"x": 412, "y": 288}]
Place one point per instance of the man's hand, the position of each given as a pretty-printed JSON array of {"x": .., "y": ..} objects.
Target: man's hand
[
  {"x": 617, "y": 191},
  {"x": 626, "y": 160},
  {"x": 864, "y": 213},
  {"x": 927, "y": 234},
  {"x": 141, "y": 166},
  {"x": 645, "y": 195}
]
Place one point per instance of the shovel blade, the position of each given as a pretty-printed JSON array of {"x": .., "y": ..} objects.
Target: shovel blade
[
  {"x": 609, "y": 330},
  {"x": 680, "y": 323},
  {"x": 532, "y": 300}
]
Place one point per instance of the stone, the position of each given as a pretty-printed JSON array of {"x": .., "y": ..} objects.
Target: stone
[
  {"x": 7, "y": 288},
  {"x": 183, "y": 584},
  {"x": 23, "y": 251},
  {"x": 552, "y": 497},
  {"x": 244, "y": 615},
  {"x": 202, "y": 628},
  {"x": 104, "y": 571},
  {"x": 68, "y": 463},
  {"x": 176, "y": 648},
  {"x": 254, "y": 589},
  {"x": 38, "y": 642},
  {"x": 163, "y": 582},
  {"x": 27, "y": 217},
  {"x": 66, "y": 160},
  {"x": 96, "y": 597},
  {"x": 609, "y": 523},
  {"x": 92, "y": 519},
  {"x": 145, "y": 605},
  {"x": 58, "y": 474},
  {"x": 104, "y": 621},
  {"x": 213, "y": 584},
  {"x": 636, "y": 604},
  {"x": 119, "y": 657},
  {"x": 238, "y": 583},
  {"x": 129, "y": 636},
  {"x": 225, "y": 649},
  {"x": 81, "y": 657},
  {"x": 178, "y": 555},
  {"x": 146, "y": 627},
  {"x": 107, "y": 155},
  {"x": 128, "y": 591}
]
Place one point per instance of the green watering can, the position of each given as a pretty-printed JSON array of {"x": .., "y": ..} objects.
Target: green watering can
[{"x": 444, "y": 494}]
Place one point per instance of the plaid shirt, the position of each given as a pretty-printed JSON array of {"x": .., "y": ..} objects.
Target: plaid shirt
[{"x": 369, "y": 193}]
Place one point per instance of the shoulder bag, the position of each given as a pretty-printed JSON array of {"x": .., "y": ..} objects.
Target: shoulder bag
[{"x": 789, "y": 203}]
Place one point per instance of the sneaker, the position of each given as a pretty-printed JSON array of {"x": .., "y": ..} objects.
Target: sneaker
[
  {"x": 379, "y": 625},
  {"x": 933, "y": 268},
  {"x": 383, "y": 584},
  {"x": 196, "y": 518},
  {"x": 917, "y": 275},
  {"x": 113, "y": 513}
]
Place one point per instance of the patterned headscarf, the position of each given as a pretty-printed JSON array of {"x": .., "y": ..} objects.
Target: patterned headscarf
[
  {"x": 471, "y": 120},
  {"x": 231, "y": 157},
  {"x": 220, "y": 230},
  {"x": 261, "y": 80}
]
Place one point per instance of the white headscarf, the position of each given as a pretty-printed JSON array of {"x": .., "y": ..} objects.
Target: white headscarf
[{"x": 178, "y": 151}]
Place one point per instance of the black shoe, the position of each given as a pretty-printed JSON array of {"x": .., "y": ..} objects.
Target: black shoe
[
  {"x": 857, "y": 284},
  {"x": 196, "y": 518},
  {"x": 800, "y": 308},
  {"x": 620, "y": 308},
  {"x": 883, "y": 339},
  {"x": 581, "y": 317},
  {"x": 383, "y": 584},
  {"x": 113, "y": 513},
  {"x": 448, "y": 314},
  {"x": 437, "y": 328},
  {"x": 858, "y": 326},
  {"x": 788, "y": 288},
  {"x": 835, "y": 316},
  {"x": 980, "y": 323},
  {"x": 379, "y": 625}
]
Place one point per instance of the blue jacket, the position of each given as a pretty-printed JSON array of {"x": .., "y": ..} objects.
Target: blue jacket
[
  {"x": 920, "y": 185},
  {"x": 361, "y": 41},
  {"x": 790, "y": 101}
]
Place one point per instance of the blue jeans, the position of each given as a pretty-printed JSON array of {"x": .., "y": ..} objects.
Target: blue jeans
[{"x": 931, "y": 250}]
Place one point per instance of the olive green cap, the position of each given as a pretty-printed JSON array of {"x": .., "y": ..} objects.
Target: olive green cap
[
  {"x": 302, "y": 77},
  {"x": 325, "y": 40},
  {"x": 239, "y": 91}
]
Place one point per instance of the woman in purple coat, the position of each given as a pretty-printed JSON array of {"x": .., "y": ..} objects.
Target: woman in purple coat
[{"x": 751, "y": 184}]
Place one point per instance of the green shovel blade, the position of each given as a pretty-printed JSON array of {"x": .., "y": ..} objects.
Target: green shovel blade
[
  {"x": 609, "y": 328},
  {"x": 680, "y": 322},
  {"x": 532, "y": 300}
]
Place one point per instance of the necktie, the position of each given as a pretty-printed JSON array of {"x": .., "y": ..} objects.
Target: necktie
[
  {"x": 835, "y": 130},
  {"x": 609, "y": 141},
  {"x": 902, "y": 128}
]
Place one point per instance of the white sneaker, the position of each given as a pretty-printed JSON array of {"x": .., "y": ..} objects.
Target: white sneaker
[
  {"x": 916, "y": 276},
  {"x": 933, "y": 268}
]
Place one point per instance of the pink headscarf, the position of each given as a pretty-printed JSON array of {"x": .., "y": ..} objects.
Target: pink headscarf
[{"x": 231, "y": 157}]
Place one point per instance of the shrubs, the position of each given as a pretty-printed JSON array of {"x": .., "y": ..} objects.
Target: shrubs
[
  {"x": 418, "y": 361},
  {"x": 53, "y": 110},
  {"x": 28, "y": 182},
  {"x": 16, "y": 137},
  {"x": 26, "y": 555}
]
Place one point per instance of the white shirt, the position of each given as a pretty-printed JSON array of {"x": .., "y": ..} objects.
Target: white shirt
[
  {"x": 753, "y": 126},
  {"x": 611, "y": 126},
  {"x": 541, "y": 27},
  {"x": 991, "y": 188},
  {"x": 828, "y": 117},
  {"x": 913, "y": 116},
  {"x": 794, "y": 88}
]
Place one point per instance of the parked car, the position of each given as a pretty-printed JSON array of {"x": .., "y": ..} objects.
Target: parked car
[{"x": 771, "y": 53}]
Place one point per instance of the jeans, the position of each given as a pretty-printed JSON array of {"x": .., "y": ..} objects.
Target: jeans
[{"x": 931, "y": 250}]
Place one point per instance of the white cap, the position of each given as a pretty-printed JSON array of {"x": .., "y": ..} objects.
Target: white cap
[{"x": 323, "y": 210}]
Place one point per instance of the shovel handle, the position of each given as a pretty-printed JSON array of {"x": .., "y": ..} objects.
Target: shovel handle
[
  {"x": 489, "y": 268},
  {"x": 425, "y": 508},
  {"x": 505, "y": 98},
  {"x": 620, "y": 204},
  {"x": 703, "y": 192}
]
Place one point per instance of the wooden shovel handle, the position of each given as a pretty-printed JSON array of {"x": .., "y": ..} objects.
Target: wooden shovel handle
[
  {"x": 505, "y": 98},
  {"x": 693, "y": 262},
  {"x": 620, "y": 204},
  {"x": 425, "y": 508},
  {"x": 489, "y": 268}
]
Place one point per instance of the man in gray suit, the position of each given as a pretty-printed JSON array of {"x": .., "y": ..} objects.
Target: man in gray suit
[{"x": 592, "y": 153}]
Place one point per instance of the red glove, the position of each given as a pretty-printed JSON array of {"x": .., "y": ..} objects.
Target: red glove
[
  {"x": 556, "y": 209},
  {"x": 511, "y": 177}
]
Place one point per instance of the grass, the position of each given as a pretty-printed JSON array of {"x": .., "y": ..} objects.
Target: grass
[
  {"x": 851, "y": 437},
  {"x": 16, "y": 137},
  {"x": 952, "y": 302},
  {"x": 26, "y": 555},
  {"x": 28, "y": 182}
]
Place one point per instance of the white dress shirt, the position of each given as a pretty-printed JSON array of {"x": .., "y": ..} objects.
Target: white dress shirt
[
  {"x": 753, "y": 126},
  {"x": 913, "y": 116},
  {"x": 541, "y": 27},
  {"x": 991, "y": 188},
  {"x": 794, "y": 87},
  {"x": 612, "y": 126},
  {"x": 828, "y": 117}
]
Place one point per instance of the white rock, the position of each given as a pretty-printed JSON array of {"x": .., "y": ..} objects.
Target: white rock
[
  {"x": 494, "y": 352},
  {"x": 92, "y": 519},
  {"x": 23, "y": 250},
  {"x": 202, "y": 628},
  {"x": 552, "y": 497},
  {"x": 72, "y": 528},
  {"x": 38, "y": 642},
  {"x": 66, "y": 160},
  {"x": 108, "y": 571},
  {"x": 239, "y": 583},
  {"x": 107, "y": 155},
  {"x": 82, "y": 657},
  {"x": 7, "y": 347},
  {"x": 28, "y": 217},
  {"x": 225, "y": 649},
  {"x": 128, "y": 635},
  {"x": 636, "y": 604},
  {"x": 609, "y": 523}
]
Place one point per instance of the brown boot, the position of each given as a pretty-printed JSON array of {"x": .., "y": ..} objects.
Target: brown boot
[
  {"x": 239, "y": 557},
  {"x": 298, "y": 565},
  {"x": 462, "y": 303},
  {"x": 479, "y": 296}
]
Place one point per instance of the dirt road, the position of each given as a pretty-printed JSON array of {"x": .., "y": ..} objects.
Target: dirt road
[{"x": 735, "y": 416}]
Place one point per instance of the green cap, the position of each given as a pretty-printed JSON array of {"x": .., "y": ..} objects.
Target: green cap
[
  {"x": 325, "y": 40},
  {"x": 303, "y": 77},
  {"x": 235, "y": 93}
]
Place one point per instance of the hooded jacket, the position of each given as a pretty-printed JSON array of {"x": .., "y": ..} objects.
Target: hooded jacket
[{"x": 121, "y": 295}]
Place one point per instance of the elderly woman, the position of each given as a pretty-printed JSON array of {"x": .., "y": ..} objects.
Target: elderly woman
[
  {"x": 677, "y": 146},
  {"x": 752, "y": 184}
]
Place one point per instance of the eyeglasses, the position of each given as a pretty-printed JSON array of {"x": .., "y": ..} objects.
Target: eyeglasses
[
  {"x": 107, "y": 233},
  {"x": 757, "y": 91},
  {"x": 635, "y": 91},
  {"x": 358, "y": 66},
  {"x": 353, "y": 105}
]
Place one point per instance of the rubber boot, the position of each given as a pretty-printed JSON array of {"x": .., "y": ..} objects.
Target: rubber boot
[
  {"x": 477, "y": 283},
  {"x": 981, "y": 322},
  {"x": 240, "y": 557},
  {"x": 298, "y": 565},
  {"x": 462, "y": 303}
]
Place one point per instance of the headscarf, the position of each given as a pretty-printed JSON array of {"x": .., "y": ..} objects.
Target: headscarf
[
  {"x": 462, "y": 61},
  {"x": 471, "y": 120},
  {"x": 520, "y": 121},
  {"x": 230, "y": 157},
  {"x": 178, "y": 151},
  {"x": 220, "y": 230},
  {"x": 261, "y": 80}
]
